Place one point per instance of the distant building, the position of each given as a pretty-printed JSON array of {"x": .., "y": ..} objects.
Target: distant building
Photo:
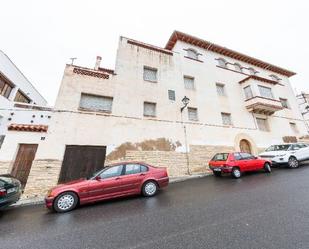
[
  {"x": 303, "y": 102},
  {"x": 135, "y": 112}
]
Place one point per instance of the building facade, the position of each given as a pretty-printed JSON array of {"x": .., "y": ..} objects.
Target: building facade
[
  {"x": 303, "y": 103},
  {"x": 135, "y": 112}
]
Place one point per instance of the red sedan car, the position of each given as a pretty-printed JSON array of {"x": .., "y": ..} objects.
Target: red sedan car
[
  {"x": 237, "y": 163},
  {"x": 117, "y": 180}
]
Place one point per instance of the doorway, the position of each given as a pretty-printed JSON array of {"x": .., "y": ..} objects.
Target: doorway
[
  {"x": 81, "y": 161},
  {"x": 23, "y": 162},
  {"x": 245, "y": 146}
]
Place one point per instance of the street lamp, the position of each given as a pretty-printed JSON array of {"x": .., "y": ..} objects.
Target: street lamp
[{"x": 185, "y": 102}]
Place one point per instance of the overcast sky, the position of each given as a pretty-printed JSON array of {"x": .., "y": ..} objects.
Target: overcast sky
[{"x": 41, "y": 36}]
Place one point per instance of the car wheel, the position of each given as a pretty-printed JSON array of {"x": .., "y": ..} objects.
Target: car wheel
[
  {"x": 217, "y": 173},
  {"x": 150, "y": 188},
  {"x": 267, "y": 167},
  {"x": 65, "y": 202},
  {"x": 293, "y": 162},
  {"x": 236, "y": 173}
]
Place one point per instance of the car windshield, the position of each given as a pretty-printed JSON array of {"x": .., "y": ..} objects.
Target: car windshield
[
  {"x": 220, "y": 157},
  {"x": 279, "y": 147}
]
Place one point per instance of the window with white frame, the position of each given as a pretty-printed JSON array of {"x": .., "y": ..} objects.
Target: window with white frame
[
  {"x": 171, "y": 95},
  {"x": 266, "y": 92},
  {"x": 149, "y": 109},
  {"x": 294, "y": 127},
  {"x": 220, "y": 89},
  {"x": 262, "y": 124},
  {"x": 193, "y": 54},
  {"x": 226, "y": 118},
  {"x": 150, "y": 74},
  {"x": 189, "y": 82},
  {"x": 252, "y": 71},
  {"x": 238, "y": 67},
  {"x": 96, "y": 103},
  {"x": 248, "y": 92},
  {"x": 284, "y": 102},
  {"x": 192, "y": 114},
  {"x": 222, "y": 62}
]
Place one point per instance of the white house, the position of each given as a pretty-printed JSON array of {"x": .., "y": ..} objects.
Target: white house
[{"x": 138, "y": 110}]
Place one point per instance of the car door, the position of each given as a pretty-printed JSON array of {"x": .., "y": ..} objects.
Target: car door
[
  {"x": 108, "y": 183},
  {"x": 133, "y": 177},
  {"x": 247, "y": 161},
  {"x": 301, "y": 151}
]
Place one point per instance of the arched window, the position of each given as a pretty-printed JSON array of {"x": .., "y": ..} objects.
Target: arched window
[
  {"x": 193, "y": 54},
  {"x": 222, "y": 62},
  {"x": 274, "y": 77},
  {"x": 252, "y": 71},
  {"x": 238, "y": 67}
]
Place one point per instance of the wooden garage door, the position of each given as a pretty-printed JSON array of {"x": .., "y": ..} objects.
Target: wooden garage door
[
  {"x": 23, "y": 162},
  {"x": 81, "y": 161}
]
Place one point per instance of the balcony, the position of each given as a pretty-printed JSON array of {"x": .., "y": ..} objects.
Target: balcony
[{"x": 262, "y": 105}]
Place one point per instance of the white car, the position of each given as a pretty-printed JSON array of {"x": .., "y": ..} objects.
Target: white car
[{"x": 290, "y": 154}]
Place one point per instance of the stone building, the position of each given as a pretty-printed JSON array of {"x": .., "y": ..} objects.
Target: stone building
[{"x": 136, "y": 111}]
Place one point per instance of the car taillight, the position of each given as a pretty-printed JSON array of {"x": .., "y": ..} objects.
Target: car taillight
[{"x": 2, "y": 192}]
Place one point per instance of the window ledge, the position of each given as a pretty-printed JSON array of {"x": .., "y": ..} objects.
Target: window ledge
[
  {"x": 194, "y": 59},
  {"x": 152, "y": 81},
  {"x": 91, "y": 110}
]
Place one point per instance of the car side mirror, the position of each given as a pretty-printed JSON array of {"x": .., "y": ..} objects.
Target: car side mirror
[{"x": 98, "y": 178}]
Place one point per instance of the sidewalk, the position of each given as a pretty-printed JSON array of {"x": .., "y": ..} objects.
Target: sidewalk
[{"x": 40, "y": 200}]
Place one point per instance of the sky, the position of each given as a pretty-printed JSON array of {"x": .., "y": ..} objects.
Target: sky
[{"x": 40, "y": 36}]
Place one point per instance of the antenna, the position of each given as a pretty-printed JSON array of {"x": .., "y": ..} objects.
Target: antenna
[{"x": 72, "y": 60}]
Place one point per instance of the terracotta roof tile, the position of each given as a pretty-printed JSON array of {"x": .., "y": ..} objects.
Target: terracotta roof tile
[{"x": 28, "y": 127}]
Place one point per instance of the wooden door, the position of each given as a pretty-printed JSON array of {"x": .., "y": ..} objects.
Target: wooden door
[
  {"x": 23, "y": 162},
  {"x": 81, "y": 161},
  {"x": 245, "y": 146}
]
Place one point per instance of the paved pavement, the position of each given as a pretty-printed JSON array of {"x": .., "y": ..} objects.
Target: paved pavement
[{"x": 257, "y": 211}]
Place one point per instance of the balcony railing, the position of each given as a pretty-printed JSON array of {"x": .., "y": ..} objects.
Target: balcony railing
[{"x": 262, "y": 105}]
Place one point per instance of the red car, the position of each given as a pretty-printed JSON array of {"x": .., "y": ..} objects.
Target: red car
[
  {"x": 237, "y": 163},
  {"x": 117, "y": 180}
]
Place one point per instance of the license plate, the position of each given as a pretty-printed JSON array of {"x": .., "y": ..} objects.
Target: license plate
[
  {"x": 217, "y": 169},
  {"x": 11, "y": 190}
]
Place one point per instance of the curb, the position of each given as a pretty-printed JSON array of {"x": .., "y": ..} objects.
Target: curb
[{"x": 185, "y": 178}]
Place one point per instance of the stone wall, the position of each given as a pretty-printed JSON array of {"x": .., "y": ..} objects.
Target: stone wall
[
  {"x": 43, "y": 176},
  {"x": 5, "y": 167}
]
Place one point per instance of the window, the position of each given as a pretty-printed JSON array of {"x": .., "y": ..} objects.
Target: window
[
  {"x": 246, "y": 156},
  {"x": 5, "y": 88},
  {"x": 266, "y": 92},
  {"x": 222, "y": 62},
  {"x": 112, "y": 172},
  {"x": 191, "y": 53},
  {"x": 96, "y": 103},
  {"x": 220, "y": 89},
  {"x": 171, "y": 95},
  {"x": 220, "y": 157},
  {"x": 248, "y": 92},
  {"x": 238, "y": 67},
  {"x": 192, "y": 114},
  {"x": 252, "y": 71},
  {"x": 150, "y": 74},
  {"x": 226, "y": 118},
  {"x": 132, "y": 169},
  {"x": 1, "y": 140},
  {"x": 284, "y": 102},
  {"x": 237, "y": 156},
  {"x": 189, "y": 82},
  {"x": 20, "y": 97},
  {"x": 262, "y": 124},
  {"x": 294, "y": 127},
  {"x": 149, "y": 109},
  {"x": 274, "y": 77}
]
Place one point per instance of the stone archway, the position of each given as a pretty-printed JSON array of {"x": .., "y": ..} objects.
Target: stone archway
[{"x": 245, "y": 146}]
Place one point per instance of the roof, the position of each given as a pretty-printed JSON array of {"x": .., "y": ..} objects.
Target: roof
[
  {"x": 180, "y": 36},
  {"x": 27, "y": 127}
]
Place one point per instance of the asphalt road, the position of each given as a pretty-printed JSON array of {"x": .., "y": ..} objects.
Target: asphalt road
[{"x": 257, "y": 211}]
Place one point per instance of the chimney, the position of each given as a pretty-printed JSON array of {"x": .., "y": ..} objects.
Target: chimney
[{"x": 97, "y": 62}]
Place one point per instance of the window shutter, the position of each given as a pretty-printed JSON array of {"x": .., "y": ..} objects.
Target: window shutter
[
  {"x": 150, "y": 74},
  {"x": 96, "y": 103}
]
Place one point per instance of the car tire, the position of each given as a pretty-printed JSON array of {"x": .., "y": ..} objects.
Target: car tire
[
  {"x": 217, "y": 173},
  {"x": 293, "y": 162},
  {"x": 65, "y": 202},
  {"x": 267, "y": 168},
  {"x": 236, "y": 173},
  {"x": 150, "y": 188}
]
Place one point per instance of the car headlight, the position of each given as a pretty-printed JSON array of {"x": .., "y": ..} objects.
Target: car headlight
[{"x": 49, "y": 193}]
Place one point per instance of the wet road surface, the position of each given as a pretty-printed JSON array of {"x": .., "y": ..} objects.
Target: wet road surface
[{"x": 257, "y": 211}]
